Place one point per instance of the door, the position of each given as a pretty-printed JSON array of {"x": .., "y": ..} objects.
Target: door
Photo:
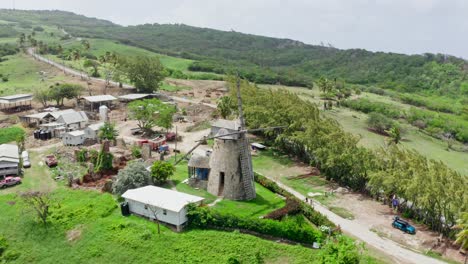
[{"x": 221, "y": 183}]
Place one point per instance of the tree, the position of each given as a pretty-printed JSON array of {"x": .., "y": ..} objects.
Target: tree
[
  {"x": 225, "y": 106},
  {"x": 42, "y": 95},
  {"x": 134, "y": 175},
  {"x": 22, "y": 39},
  {"x": 108, "y": 132},
  {"x": 395, "y": 134},
  {"x": 155, "y": 211},
  {"x": 462, "y": 235},
  {"x": 379, "y": 122},
  {"x": 92, "y": 64},
  {"x": 147, "y": 112},
  {"x": 39, "y": 202},
  {"x": 145, "y": 73},
  {"x": 165, "y": 117},
  {"x": 65, "y": 91},
  {"x": 161, "y": 171},
  {"x": 85, "y": 44}
]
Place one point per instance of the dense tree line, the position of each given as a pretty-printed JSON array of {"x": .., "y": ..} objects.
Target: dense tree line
[{"x": 322, "y": 143}]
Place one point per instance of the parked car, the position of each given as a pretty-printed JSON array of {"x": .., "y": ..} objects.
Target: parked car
[
  {"x": 10, "y": 181},
  {"x": 171, "y": 136},
  {"x": 26, "y": 162},
  {"x": 51, "y": 161},
  {"x": 403, "y": 225}
]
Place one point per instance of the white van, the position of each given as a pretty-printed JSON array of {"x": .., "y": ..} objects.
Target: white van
[{"x": 26, "y": 162}]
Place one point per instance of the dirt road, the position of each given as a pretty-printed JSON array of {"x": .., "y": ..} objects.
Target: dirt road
[{"x": 359, "y": 230}]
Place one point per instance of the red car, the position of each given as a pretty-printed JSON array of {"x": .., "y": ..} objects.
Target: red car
[
  {"x": 10, "y": 181},
  {"x": 51, "y": 160}
]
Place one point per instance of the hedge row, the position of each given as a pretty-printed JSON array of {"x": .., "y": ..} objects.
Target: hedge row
[
  {"x": 313, "y": 216},
  {"x": 204, "y": 217},
  {"x": 292, "y": 207}
]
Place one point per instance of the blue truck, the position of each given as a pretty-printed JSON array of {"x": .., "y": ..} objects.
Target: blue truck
[{"x": 403, "y": 225}]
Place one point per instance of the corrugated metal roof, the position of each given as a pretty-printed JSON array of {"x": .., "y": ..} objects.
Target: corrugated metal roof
[
  {"x": 76, "y": 133},
  {"x": 55, "y": 114},
  {"x": 9, "y": 152},
  {"x": 133, "y": 96},
  {"x": 73, "y": 117},
  {"x": 95, "y": 127},
  {"x": 162, "y": 198},
  {"x": 16, "y": 98},
  {"x": 100, "y": 98}
]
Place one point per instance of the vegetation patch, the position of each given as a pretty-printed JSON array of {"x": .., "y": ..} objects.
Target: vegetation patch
[
  {"x": 10, "y": 134},
  {"x": 343, "y": 212}
]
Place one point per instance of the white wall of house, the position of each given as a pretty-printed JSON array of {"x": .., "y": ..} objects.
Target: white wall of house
[
  {"x": 90, "y": 133},
  {"x": 173, "y": 218},
  {"x": 8, "y": 168},
  {"x": 68, "y": 139}
]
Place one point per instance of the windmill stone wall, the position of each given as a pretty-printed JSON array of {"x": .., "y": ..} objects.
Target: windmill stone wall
[{"x": 225, "y": 159}]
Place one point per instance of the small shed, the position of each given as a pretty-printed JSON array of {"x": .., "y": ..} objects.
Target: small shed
[
  {"x": 166, "y": 205},
  {"x": 74, "y": 120},
  {"x": 56, "y": 129},
  {"x": 199, "y": 167},
  {"x": 44, "y": 117},
  {"x": 73, "y": 138},
  {"x": 17, "y": 102},
  {"x": 9, "y": 160},
  {"x": 92, "y": 131},
  {"x": 97, "y": 100}
]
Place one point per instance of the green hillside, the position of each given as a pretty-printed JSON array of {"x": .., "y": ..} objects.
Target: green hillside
[{"x": 268, "y": 60}]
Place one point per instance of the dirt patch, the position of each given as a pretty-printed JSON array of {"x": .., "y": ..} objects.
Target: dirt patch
[
  {"x": 378, "y": 217},
  {"x": 206, "y": 90},
  {"x": 74, "y": 234}
]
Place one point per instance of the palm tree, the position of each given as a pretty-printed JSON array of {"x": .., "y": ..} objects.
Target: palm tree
[
  {"x": 22, "y": 39},
  {"x": 86, "y": 45}
]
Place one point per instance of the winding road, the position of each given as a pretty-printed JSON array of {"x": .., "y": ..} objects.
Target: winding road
[{"x": 395, "y": 251}]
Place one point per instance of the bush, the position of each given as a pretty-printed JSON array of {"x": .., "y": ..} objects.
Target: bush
[
  {"x": 133, "y": 176},
  {"x": 379, "y": 122},
  {"x": 3, "y": 245},
  {"x": 161, "y": 171},
  {"x": 5, "y": 79},
  {"x": 82, "y": 155},
  {"x": 136, "y": 152},
  {"x": 366, "y": 106},
  {"x": 292, "y": 207},
  {"x": 38, "y": 29},
  {"x": 203, "y": 217}
]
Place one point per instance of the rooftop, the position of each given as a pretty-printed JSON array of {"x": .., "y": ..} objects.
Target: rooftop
[
  {"x": 73, "y": 117},
  {"x": 227, "y": 124},
  {"x": 16, "y": 98},
  {"x": 76, "y": 133},
  {"x": 9, "y": 152},
  {"x": 133, "y": 96},
  {"x": 55, "y": 114},
  {"x": 199, "y": 161},
  {"x": 162, "y": 198},
  {"x": 99, "y": 98},
  {"x": 96, "y": 126}
]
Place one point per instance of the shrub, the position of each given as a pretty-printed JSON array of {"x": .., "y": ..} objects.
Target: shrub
[
  {"x": 133, "y": 176},
  {"x": 292, "y": 207},
  {"x": 161, "y": 171},
  {"x": 203, "y": 217},
  {"x": 379, "y": 122},
  {"x": 3, "y": 245},
  {"x": 366, "y": 106},
  {"x": 136, "y": 152},
  {"x": 5, "y": 79},
  {"x": 38, "y": 28},
  {"x": 82, "y": 155}
]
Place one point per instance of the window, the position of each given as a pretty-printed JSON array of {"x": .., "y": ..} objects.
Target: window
[
  {"x": 146, "y": 207},
  {"x": 164, "y": 212}
]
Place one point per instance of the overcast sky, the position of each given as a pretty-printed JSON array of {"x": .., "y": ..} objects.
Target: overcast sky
[{"x": 405, "y": 26}]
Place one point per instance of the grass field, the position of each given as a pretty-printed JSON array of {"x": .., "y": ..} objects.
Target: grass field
[
  {"x": 24, "y": 75},
  {"x": 86, "y": 227}
]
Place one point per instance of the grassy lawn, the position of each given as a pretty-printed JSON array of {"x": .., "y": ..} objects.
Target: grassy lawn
[
  {"x": 343, "y": 212},
  {"x": 24, "y": 75},
  {"x": 86, "y": 227},
  {"x": 264, "y": 203},
  {"x": 9, "y": 134}
]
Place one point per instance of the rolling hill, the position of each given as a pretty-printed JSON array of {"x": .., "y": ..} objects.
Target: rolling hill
[{"x": 264, "y": 59}]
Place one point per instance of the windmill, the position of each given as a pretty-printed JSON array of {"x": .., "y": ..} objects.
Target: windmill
[{"x": 230, "y": 164}]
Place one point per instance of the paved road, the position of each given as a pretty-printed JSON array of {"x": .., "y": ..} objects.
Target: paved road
[{"x": 353, "y": 228}]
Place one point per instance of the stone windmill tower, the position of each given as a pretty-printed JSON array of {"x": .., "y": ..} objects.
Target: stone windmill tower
[{"x": 231, "y": 171}]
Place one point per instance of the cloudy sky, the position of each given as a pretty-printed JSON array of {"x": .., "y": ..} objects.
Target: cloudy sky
[{"x": 405, "y": 26}]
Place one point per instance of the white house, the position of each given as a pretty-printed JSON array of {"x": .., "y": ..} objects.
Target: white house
[
  {"x": 92, "y": 131},
  {"x": 9, "y": 160},
  {"x": 73, "y": 138},
  {"x": 168, "y": 205},
  {"x": 74, "y": 120}
]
